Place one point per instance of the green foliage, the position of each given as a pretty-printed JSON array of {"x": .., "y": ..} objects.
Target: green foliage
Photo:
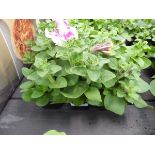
[
  {"x": 152, "y": 87},
  {"x": 75, "y": 91},
  {"x": 73, "y": 74},
  {"x": 93, "y": 94},
  {"x": 114, "y": 104},
  {"x": 54, "y": 132}
]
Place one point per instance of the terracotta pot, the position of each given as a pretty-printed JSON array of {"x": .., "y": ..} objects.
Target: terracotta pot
[{"x": 11, "y": 23}]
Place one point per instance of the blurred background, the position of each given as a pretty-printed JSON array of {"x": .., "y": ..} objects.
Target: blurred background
[{"x": 10, "y": 56}]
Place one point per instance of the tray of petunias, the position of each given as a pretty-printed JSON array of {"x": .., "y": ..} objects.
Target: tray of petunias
[{"x": 85, "y": 61}]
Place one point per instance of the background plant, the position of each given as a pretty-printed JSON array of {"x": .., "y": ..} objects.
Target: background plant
[{"x": 73, "y": 74}]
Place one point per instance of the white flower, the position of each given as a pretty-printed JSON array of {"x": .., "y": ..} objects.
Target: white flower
[{"x": 63, "y": 32}]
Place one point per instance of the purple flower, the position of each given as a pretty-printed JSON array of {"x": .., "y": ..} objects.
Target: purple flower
[{"x": 62, "y": 33}]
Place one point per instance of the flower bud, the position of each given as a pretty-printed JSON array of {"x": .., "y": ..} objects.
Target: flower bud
[{"x": 104, "y": 48}]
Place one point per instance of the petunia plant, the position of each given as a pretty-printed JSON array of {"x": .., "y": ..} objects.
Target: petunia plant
[{"x": 86, "y": 61}]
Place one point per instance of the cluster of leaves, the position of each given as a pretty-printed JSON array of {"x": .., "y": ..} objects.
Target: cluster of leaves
[
  {"x": 54, "y": 132},
  {"x": 72, "y": 74}
]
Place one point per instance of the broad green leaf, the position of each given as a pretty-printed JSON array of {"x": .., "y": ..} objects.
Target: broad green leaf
[
  {"x": 97, "y": 85},
  {"x": 147, "y": 62},
  {"x": 140, "y": 62},
  {"x": 33, "y": 76},
  {"x": 54, "y": 132},
  {"x": 55, "y": 68},
  {"x": 106, "y": 75},
  {"x": 29, "y": 42},
  {"x": 26, "y": 96},
  {"x": 38, "y": 48},
  {"x": 115, "y": 104},
  {"x": 76, "y": 58},
  {"x": 81, "y": 71},
  {"x": 42, "y": 55},
  {"x": 39, "y": 62},
  {"x": 142, "y": 85},
  {"x": 110, "y": 83},
  {"x": 75, "y": 91},
  {"x": 27, "y": 85},
  {"x": 42, "y": 73},
  {"x": 41, "y": 41},
  {"x": 37, "y": 93},
  {"x": 78, "y": 101},
  {"x": 93, "y": 94},
  {"x": 59, "y": 99},
  {"x": 42, "y": 81},
  {"x": 94, "y": 103},
  {"x": 42, "y": 101},
  {"x": 120, "y": 93},
  {"x": 140, "y": 103},
  {"x": 113, "y": 64},
  {"x": 152, "y": 87},
  {"x": 103, "y": 61},
  {"x": 93, "y": 74},
  {"x": 61, "y": 53},
  {"x": 60, "y": 82},
  {"x": 51, "y": 52},
  {"x": 72, "y": 79},
  {"x": 26, "y": 72}
]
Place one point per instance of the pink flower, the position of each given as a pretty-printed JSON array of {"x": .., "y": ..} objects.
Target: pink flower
[{"x": 62, "y": 33}]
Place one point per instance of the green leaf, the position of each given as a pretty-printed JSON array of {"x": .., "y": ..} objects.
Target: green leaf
[
  {"x": 29, "y": 42},
  {"x": 93, "y": 94},
  {"x": 152, "y": 87},
  {"x": 59, "y": 99},
  {"x": 102, "y": 62},
  {"x": 39, "y": 62},
  {"x": 42, "y": 73},
  {"x": 51, "y": 52},
  {"x": 142, "y": 85},
  {"x": 41, "y": 40},
  {"x": 81, "y": 71},
  {"x": 42, "y": 81},
  {"x": 140, "y": 103},
  {"x": 42, "y": 55},
  {"x": 147, "y": 62},
  {"x": 26, "y": 96},
  {"x": 55, "y": 68},
  {"x": 72, "y": 79},
  {"x": 37, "y": 93},
  {"x": 27, "y": 85},
  {"x": 115, "y": 104},
  {"x": 110, "y": 83},
  {"x": 78, "y": 101},
  {"x": 54, "y": 132},
  {"x": 26, "y": 72},
  {"x": 33, "y": 76},
  {"x": 120, "y": 93},
  {"x": 61, "y": 53},
  {"x": 38, "y": 48},
  {"x": 113, "y": 64},
  {"x": 94, "y": 103},
  {"x": 60, "y": 82},
  {"x": 75, "y": 91},
  {"x": 106, "y": 76},
  {"x": 140, "y": 62},
  {"x": 42, "y": 101},
  {"x": 93, "y": 74}
]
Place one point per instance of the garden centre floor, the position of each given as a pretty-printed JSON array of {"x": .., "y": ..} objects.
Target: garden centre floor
[{"x": 19, "y": 117}]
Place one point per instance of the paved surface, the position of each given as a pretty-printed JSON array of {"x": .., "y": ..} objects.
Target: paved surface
[{"x": 19, "y": 117}]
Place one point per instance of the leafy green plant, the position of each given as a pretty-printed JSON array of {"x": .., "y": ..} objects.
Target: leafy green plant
[
  {"x": 75, "y": 74},
  {"x": 54, "y": 132}
]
